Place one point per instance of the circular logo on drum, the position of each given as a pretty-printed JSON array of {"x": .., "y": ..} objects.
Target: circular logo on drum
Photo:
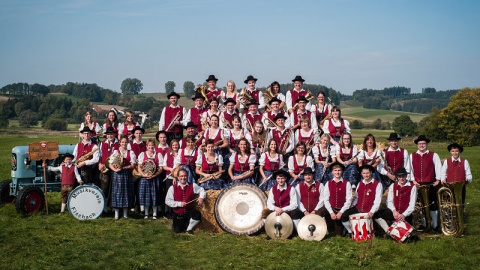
[{"x": 86, "y": 202}]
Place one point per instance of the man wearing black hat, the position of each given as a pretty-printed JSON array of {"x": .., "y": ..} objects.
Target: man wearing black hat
[
  {"x": 226, "y": 117},
  {"x": 310, "y": 195},
  {"x": 213, "y": 91},
  {"x": 282, "y": 135},
  {"x": 191, "y": 129},
  {"x": 274, "y": 104},
  {"x": 137, "y": 145},
  {"x": 195, "y": 113},
  {"x": 394, "y": 158},
  {"x": 172, "y": 118},
  {"x": 456, "y": 169},
  {"x": 254, "y": 93},
  {"x": 252, "y": 116},
  {"x": 295, "y": 93},
  {"x": 69, "y": 175},
  {"x": 337, "y": 197},
  {"x": 106, "y": 149},
  {"x": 426, "y": 169},
  {"x": 401, "y": 199},
  {"x": 282, "y": 198},
  {"x": 367, "y": 197},
  {"x": 302, "y": 112},
  {"x": 88, "y": 149}
]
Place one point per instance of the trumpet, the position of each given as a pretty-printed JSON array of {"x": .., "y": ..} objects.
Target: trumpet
[
  {"x": 309, "y": 96},
  {"x": 212, "y": 176},
  {"x": 172, "y": 123},
  {"x": 247, "y": 124}
]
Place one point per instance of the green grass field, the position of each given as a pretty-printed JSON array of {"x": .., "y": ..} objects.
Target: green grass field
[{"x": 62, "y": 242}]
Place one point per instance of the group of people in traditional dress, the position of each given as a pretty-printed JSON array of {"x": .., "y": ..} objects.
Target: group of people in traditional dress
[{"x": 281, "y": 143}]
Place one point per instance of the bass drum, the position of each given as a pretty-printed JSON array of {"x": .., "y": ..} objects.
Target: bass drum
[
  {"x": 239, "y": 207},
  {"x": 86, "y": 202}
]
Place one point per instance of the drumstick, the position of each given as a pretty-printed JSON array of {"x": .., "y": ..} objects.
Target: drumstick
[
  {"x": 191, "y": 201},
  {"x": 264, "y": 181}
]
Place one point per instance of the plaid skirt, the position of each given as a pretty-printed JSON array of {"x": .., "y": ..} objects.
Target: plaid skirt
[
  {"x": 294, "y": 183},
  {"x": 148, "y": 191},
  {"x": 213, "y": 184},
  {"x": 123, "y": 194},
  {"x": 351, "y": 174},
  {"x": 250, "y": 179},
  {"x": 321, "y": 175},
  {"x": 270, "y": 182}
]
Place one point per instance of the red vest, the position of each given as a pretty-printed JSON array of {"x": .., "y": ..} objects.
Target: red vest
[
  {"x": 401, "y": 197},
  {"x": 114, "y": 128},
  {"x": 309, "y": 196},
  {"x": 155, "y": 158},
  {"x": 196, "y": 115},
  {"x": 68, "y": 175},
  {"x": 183, "y": 195},
  {"x": 233, "y": 142},
  {"x": 296, "y": 168},
  {"x": 209, "y": 168},
  {"x": 138, "y": 148},
  {"x": 338, "y": 193},
  {"x": 84, "y": 149},
  {"x": 280, "y": 138},
  {"x": 127, "y": 131},
  {"x": 169, "y": 115},
  {"x": 306, "y": 139},
  {"x": 322, "y": 114},
  {"x": 336, "y": 131},
  {"x": 107, "y": 150},
  {"x": 128, "y": 160},
  {"x": 368, "y": 160},
  {"x": 217, "y": 93},
  {"x": 217, "y": 138},
  {"x": 270, "y": 165},
  {"x": 228, "y": 117},
  {"x": 295, "y": 95},
  {"x": 344, "y": 156},
  {"x": 241, "y": 167},
  {"x": 170, "y": 158},
  {"x": 281, "y": 197},
  {"x": 253, "y": 118},
  {"x": 423, "y": 167},
  {"x": 306, "y": 114},
  {"x": 189, "y": 159},
  {"x": 395, "y": 159},
  {"x": 162, "y": 151},
  {"x": 456, "y": 170},
  {"x": 254, "y": 94},
  {"x": 366, "y": 196},
  {"x": 320, "y": 156}
]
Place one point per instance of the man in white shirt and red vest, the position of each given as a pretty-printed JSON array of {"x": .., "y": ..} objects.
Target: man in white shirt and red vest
[
  {"x": 212, "y": 90},
  {"x": 401, "y": 199},
  {"x": 254, "y": 92},
  {"x": 172, "y": 118},
  {"x": 282, "y": 198},
  {"x": 394, "y": 157},
  {"x": 252, "y": 115},
  {"x": 274, "y": 104},
  {"x": 89, "y": 149},
  {"x": 456, "y": 169},
  {"x": 293, "y": 94},
  {"x": 195, "y": 113},
  {"x": 337, "y": 197},
  {"x": 226, "y": 117},
  {"x": 181, "y": 197},
  {"x": 426, "y": 169},
  {"x": 302, "y": 112},
  {"x": 310, "y": 195},
  {"x": 191, "y": 129},
  {"x": 106, "y": 149},
  {"x": 368, "y": 196}
]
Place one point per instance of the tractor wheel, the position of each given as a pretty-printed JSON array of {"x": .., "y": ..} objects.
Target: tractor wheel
[
  {"x": 5, "y": 192},
  {"x": 30, "y": 200}
]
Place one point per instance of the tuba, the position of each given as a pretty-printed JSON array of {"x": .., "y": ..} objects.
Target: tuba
[
  {"x": 202, "y": 91},
  {"x": 421, "y": 212},
  {"x": 451, "y": 208},
  {"x": 245, "y": 97},
  {"x": 267, "y": 96}
]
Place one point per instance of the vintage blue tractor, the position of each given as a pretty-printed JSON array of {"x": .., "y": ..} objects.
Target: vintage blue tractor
[{"x": 26, "y": 186}]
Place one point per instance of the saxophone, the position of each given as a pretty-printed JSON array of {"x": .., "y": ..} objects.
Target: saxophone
[
  {"x": 209, "y": 177},
  {"x": 86, "y": 156},
  {"x": 451, "y": 208}
]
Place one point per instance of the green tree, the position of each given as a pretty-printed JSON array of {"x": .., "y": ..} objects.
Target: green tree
[
  {"x": 189, "y": 88},
  {"x": 356, "y": 124},
  {"x": 56, "y": 124},
  {"x": 404, "y": 126},
  {"x": 429, "y": 126},
  {"x": 131, "y": 86},
  {"x": 377, "y": 124},
  {"x": 169, "y": 86},
  {"x": 27, "y": 118},
  {"x": 460, "y": 119}
]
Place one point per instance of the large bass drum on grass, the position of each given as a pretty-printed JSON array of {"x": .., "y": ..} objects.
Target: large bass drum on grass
[
  {"x": 238, "y": 209},
  {"x": 86, "y": 202}
]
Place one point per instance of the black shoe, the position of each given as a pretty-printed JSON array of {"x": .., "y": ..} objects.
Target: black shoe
[
  {"x": 437, "y": 230},
  {"x": 268, "y": 238},
  {"x": 189, "y": 232},
  {"x": 348, "y": 235},
  {"x": 411, "y": 239}
]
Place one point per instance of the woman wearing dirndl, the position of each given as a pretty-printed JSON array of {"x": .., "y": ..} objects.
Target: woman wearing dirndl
[
  {"x": 257, "y": 138},
  {"x": 370, "y": 155},
  {"x": 149, "y": 183},
  {"x": 346, "y": 153},
  {"x": 216, "y": 133},
  {"x": 209, "y": 166},
  {"x": 93, "y": 126},
  {"x": 123, "y": 195},
  {"x": 270, "y": 162},
  {"x": 186, "y": 159},
  {"x": 324, "y": 155},
  {"x": 242, "y": 164},
  {"x": 306, "y": 135},
  {"x": 297, "y": 163},
  {"x": 336, "y": 126},
  {"x": 234, "y": 135}
]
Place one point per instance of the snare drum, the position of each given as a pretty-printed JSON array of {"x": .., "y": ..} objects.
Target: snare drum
[
  {"x": 362, "y": 227},
  {"x": 400, "y": 230},
  {"x": 86, "y": 202}
]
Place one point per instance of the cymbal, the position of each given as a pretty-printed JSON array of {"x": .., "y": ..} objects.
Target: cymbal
[
  {"x": 279, "y": 226},
  {"x": 312, "y": 228}
]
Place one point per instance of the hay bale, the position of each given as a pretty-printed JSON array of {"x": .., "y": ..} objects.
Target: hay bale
[{"x": 209, "y": 223}]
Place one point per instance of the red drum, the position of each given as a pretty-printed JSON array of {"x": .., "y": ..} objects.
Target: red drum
[
  {"x": 362, "y": 227},
  {"x": 400, "y": 230}
]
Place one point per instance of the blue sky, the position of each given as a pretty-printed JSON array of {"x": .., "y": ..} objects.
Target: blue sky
[{"x": 344, "y": 44}]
